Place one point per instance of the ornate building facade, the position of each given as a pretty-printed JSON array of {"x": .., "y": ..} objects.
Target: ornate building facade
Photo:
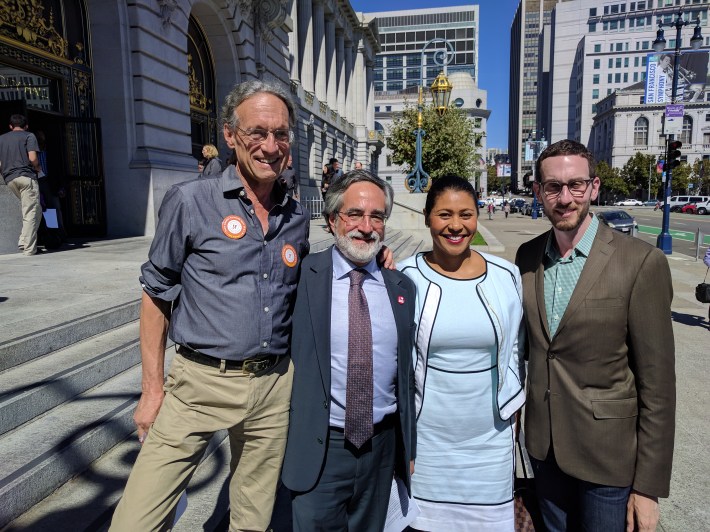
[{"x": 127, "y": 93}]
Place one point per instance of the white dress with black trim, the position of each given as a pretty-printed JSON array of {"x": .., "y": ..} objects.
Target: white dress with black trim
[{"x": 464, "y": 468}]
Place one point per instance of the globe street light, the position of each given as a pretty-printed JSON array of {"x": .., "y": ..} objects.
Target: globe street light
[
  {"x": 664, "y": 241},
  {"x": 418, "y": 180}
]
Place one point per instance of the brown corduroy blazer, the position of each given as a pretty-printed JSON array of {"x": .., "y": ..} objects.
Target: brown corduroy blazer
[{"x": 602, "y": 391}]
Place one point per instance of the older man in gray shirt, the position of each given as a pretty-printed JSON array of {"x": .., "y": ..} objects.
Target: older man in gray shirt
[{"x": 221, "y": 280}]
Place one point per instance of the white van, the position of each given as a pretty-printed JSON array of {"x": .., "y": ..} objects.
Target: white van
[{"x": 679, "y": 201}]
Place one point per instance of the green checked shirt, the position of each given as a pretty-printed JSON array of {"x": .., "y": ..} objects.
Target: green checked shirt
[{"x": 561, "y": 275}]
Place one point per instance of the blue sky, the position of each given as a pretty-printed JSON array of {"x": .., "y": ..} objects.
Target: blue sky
[{"x": 493, "y": 54}]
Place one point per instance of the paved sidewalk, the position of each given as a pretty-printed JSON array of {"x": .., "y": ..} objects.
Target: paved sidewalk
[{"x": 41, "y": 291}]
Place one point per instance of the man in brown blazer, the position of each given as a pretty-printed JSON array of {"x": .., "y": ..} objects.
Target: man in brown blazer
[{"x": 600, "y": 413}]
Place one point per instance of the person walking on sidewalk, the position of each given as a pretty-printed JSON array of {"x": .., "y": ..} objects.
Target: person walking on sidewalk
[
  {"x": 600, "y": 411},
  {"x": 490, "y": 209},
  {"x": 506, "y": 208},
  {"x": 20, "y": 167},
  {"x": 221, "y": 280}
]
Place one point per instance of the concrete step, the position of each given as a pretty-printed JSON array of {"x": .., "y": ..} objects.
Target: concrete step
[
  {"x": 35, "y": 387},
  {"x": 43, "y": 454},
  {"x": 87, "y": 501},
  {"x": 17, "y": 350}
]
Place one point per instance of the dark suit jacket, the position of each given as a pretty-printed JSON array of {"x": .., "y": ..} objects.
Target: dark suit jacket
[
  {"x": 602, "y": 391},
  {"x": 310, "y": 351}
]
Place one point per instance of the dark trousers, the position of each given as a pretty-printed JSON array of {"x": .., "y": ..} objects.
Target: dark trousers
[
  {"x": 567, "y": 503},
  {"x": 353, "y": 490}
]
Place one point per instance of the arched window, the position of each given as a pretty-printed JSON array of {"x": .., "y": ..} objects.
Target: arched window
[
  {"x": 686, "y": 134},
  {"x": 203, "y": 108},
  {"x": 641, "y": 131}
]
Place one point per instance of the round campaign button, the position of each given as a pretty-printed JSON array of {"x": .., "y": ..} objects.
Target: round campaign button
[
  {"x": 234, "y": 226},
  {"x": 289, "y": 255}
]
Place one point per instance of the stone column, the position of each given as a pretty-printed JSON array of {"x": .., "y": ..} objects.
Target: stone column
[
  {"x": 319, "y": 49},
  {"x": 293, "y": 44},
  {"x": 370, "y": 91},
  {"x": 360, "y": 95},
  {"x": 331, "y": 74},
  {"x": 305, "y": 43},
  {"x": 340, "y": 66},
  {"x": 349, "y": 82}
]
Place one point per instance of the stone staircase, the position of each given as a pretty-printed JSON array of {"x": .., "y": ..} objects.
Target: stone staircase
[{"x": 67, "y": 395}]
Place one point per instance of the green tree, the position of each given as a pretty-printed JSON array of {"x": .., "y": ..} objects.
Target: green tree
[
  {"x": 636, "y": 173},
  {"x": 494, "y": 182},
  {"x": 613, "y": 186},
  {"x": 700, "y": 176},
  {"x": 681, "y": 178},
  {"x": 449, "y": 146}
]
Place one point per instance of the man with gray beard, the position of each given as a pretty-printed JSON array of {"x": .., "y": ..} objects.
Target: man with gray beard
[{"x": 352, "y": 405}]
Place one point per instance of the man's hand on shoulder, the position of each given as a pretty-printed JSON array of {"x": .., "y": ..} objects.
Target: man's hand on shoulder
[
  {"x": 642, "y": 512},
  {"x": 385, "y": 258},
  {"x": 146, "y": 412}
]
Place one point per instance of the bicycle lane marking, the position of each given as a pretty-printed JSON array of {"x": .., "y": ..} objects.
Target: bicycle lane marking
[{"x": 681, "y": 235}]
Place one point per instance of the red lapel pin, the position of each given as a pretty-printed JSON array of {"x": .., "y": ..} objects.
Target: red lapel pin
[{"x": 400, "y": 300}]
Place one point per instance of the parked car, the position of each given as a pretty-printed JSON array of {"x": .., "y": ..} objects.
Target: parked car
[
  {"x": 619, "y": 220},
  {"x": 517, "y": 205},
  {"x": 629, "y": 203},
  {"x": 528, "y": 209},
  {"x": 678, "y": 207},
  {"x": 679, "y": 201},
  {"x": 650, "y": 203},
  {"x": 696, "y": 208}
]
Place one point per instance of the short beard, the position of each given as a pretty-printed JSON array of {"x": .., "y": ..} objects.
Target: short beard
[
  {"x": 565, "y": 225},
  {"x": 357, "y": 253}
]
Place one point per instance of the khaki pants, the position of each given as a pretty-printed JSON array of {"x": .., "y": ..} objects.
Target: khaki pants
[
  {"x": 199, "y": 401},
  {"x": 27, "y": 191}
]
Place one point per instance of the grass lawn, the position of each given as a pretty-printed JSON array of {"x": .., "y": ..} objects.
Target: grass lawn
[{"x": 478, "y": 240}]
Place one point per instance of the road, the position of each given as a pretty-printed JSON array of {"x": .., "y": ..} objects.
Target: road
[{"x": 682, "y": 227}]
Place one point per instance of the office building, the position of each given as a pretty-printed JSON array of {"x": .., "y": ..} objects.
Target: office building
[{"x": 600, "y": 48}]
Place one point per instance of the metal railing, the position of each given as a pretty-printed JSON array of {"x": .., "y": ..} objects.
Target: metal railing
[{"x": 314, "y": 205}]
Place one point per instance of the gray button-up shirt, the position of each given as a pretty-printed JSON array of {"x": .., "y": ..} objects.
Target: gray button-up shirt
[{"x": 233, "y": 287}]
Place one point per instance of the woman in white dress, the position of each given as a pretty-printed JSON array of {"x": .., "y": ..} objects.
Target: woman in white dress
[{"x": 468, "y": 371}]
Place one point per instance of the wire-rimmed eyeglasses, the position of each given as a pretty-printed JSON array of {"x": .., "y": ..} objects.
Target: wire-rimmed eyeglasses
[{"x": 258, "y": 134}]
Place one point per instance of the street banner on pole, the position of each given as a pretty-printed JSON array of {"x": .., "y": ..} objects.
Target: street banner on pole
[
  {"x": 673, "y": 124},
  {"x": 693, "y": 80}
]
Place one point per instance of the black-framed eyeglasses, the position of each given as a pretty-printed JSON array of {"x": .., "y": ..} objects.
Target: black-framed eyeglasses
[
  {"x": 258, "y": 134},
  {"x": 355, "y": 217},
  {"x": 576, "y": 187}
]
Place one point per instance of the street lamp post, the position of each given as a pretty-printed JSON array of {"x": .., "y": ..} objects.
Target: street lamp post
[
  {"x": 664, "y": 241},
  {"x": 418, "y": 180}
]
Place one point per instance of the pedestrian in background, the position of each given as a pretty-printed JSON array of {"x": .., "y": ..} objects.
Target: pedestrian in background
[
  {"x": 210, "y": 165},
  {"x": 19, "y": 165},
  {"x": 289, "y": 180},
  {"x": 468, "y": 372},
  {"x": 506, "y": 208},
  {"x": 490, "y": 208}
]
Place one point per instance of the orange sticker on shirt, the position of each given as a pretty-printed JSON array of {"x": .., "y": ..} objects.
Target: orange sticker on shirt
[
  {"x": 289, "y": 255},
  {"x": 234, "y": 226}
]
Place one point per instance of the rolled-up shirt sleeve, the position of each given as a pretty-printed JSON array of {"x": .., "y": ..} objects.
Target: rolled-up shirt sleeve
[{"x": 161, "y": 275}]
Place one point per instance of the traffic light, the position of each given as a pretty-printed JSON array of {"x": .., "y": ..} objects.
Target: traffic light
[{"x": 673, "y": 154}]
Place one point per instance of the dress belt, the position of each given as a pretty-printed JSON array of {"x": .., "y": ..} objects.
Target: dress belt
[{"x": 249, "y": 365}]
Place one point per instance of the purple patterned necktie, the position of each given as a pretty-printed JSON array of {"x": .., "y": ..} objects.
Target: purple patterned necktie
[{"x": 358, "y": 394}]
